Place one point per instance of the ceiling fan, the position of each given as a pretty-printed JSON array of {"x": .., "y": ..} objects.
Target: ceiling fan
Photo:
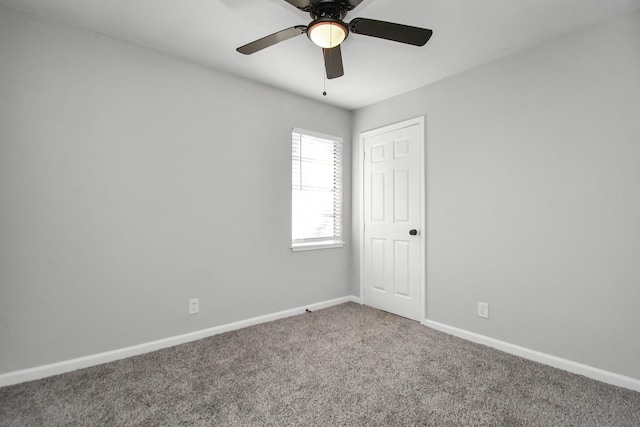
[{"x": 328, "y": 29}]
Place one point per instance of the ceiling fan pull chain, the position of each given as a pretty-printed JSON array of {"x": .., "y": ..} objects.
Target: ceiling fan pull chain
[{"x": 324, "y": 81}]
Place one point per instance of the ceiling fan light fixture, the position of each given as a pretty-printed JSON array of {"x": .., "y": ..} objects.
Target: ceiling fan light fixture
[{"x": 327, "y": 32}]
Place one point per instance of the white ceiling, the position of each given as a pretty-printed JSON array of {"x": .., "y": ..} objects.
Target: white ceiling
[{"x": 467, "y": 33}]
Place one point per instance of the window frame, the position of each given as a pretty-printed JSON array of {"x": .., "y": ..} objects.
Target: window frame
[{"x": 335, "y": 241}]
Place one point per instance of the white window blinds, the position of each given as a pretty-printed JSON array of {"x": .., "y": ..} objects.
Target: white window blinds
[{"x": 316, "y": 190}]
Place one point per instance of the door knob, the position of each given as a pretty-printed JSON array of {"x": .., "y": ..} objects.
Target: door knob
[{"x": 413, "y": 232}]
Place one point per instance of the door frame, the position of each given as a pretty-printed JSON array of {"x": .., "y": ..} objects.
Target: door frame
[{"x": 420, "y": 121}]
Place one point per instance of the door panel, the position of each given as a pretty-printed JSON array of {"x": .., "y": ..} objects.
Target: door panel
[
  {"x": 401, "y": 198},
  {"x": 401, "y": 267},
  {"x": 377, "y": 264},
  {"x": 377, "y": 197}
]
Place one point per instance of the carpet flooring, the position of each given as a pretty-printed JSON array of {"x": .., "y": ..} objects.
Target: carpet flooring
[{"x": 347, "y": 365}]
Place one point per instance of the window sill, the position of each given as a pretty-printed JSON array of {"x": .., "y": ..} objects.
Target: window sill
[{"x": 295, "y": 247}]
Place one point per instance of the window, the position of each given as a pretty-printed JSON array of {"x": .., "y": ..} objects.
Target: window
[{"x": 316, "y": 191}]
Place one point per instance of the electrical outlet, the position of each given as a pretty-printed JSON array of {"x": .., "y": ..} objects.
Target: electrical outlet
[
  {"x": 483, "y": 310},
  {"x": 194, "y": 306}
]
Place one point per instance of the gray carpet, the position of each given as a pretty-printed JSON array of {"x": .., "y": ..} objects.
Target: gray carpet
[{"x": 345, "y": 365}]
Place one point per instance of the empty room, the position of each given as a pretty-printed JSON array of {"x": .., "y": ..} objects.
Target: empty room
[{"x": 320, "y": 212}]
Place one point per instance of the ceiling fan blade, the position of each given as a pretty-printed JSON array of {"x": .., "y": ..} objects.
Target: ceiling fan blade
[
  {"x": 390, "y": 31},
  {"x": 333, "y": 62},
  {"x": 300, "y": 4},
  {"x": 272, "y": 39}
]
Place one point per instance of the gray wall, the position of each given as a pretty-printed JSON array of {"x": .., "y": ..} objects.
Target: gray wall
[
  {"x": 533, "y": 195},
  {"x": 131, "y": 181}
]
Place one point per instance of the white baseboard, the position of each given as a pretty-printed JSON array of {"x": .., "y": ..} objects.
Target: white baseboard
[
  {"x": 39, "y": 372},
  {"x": 547, "y": 359}
]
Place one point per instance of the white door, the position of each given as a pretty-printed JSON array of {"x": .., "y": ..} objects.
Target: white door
[{"x": 393, "y": 238}]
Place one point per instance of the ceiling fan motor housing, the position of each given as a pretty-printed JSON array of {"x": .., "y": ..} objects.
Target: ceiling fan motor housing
[
  {"x": 329, "y": 9},
  {"x": 335, "y": 8}
]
